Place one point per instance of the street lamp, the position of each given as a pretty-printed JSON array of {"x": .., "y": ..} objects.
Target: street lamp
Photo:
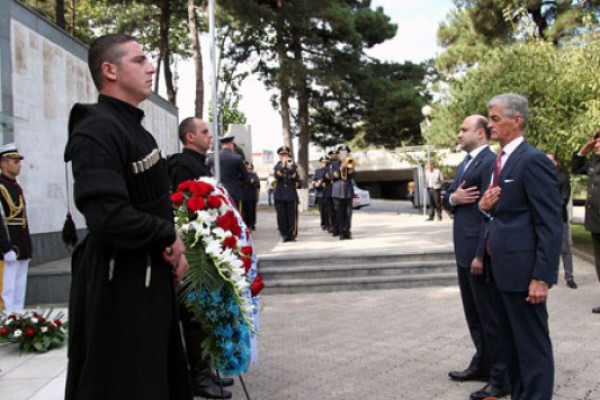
[{"x": 427, "y": 112}]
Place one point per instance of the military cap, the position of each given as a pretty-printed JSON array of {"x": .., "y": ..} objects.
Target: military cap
[
  {"x": 332, "y": 152},
  {"x": 283, "y": 150},
  {"x": 228, "y": 138},
  {"x": 343, "y": 147},
  {"x": 9, "y": 150}
]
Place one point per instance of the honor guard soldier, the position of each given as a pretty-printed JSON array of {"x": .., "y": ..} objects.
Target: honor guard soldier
[
  {"x": 286, "y": 197},
  {"x": 250, "y": 190},
  {"x": 319, "y": 183},
  {"x": 328, "y": 191},
  {"x": 343, "y": 191},
  {"x": 233, "y": 170},
  {"x": 16, "y": 244},
  {"x": 191, "y": 164}
]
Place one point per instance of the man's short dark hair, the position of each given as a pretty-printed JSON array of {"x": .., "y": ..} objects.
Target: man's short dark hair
[
  {"x": 106, "y": 48},
  {"x": 187, "y": 125},
  {"x": 482, "y": 122}
]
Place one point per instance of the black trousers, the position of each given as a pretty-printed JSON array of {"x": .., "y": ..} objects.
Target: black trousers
[
  {"x": 287, "y": 218},
  {"x": 323, "y": 212},
  {"x": 330, "y": 206},
  {"x": 343, "y": 211},
  {"x": 596, "y": 244},
  {"x": 249, "y": 213},
  {"x": 193, "y": 335},
  {"x": 524, "y": 338},
  {"x": 469, "y": 289},
  {"x": 435, "y": 203}
]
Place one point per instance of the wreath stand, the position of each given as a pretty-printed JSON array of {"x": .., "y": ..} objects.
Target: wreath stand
[{"x": 241, "y": 381}]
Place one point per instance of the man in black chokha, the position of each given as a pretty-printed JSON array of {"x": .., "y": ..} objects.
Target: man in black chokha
[
  {"x": 15, "y": 242},
  {"x": 286, "y": 197},
  {"x": 343, "y": 191},
  {"x": 124, "y": 336},
  {"x": 328, "y": 192},
  {"x": 319, "y": 183}
]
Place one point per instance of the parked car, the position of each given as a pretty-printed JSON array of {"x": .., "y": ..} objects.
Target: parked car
[{"x": 362, "y": 198}]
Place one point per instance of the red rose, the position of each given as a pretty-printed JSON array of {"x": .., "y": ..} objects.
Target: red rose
[
  {"x": 41, "y": 319},
  {"x": 29, "y": 332},
  {"x": 52, "y": 327},
  {"x": 247, "y": 251},
  {"x": 200, "y": 188},
  {"x": 177, "y": 198},
  {"x": 257, "y": 285},
  {"x": 236, "y": 230},
  {"x": 12, "y": 316},
  {"x": 195, "y": 204},
  {"x": 230, "y": 242},
  {"x": 185, "y": 186},
  {"x": 58, "y": 322},
  {"x": 214, "y": 201},
  {"x": 4, "y": 331},
  {"x": 247, "y": 264},
  {"x": 224, "y": 222}
]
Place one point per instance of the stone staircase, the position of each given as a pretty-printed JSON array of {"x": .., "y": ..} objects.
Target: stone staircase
[{"x": 302, "y": 273}]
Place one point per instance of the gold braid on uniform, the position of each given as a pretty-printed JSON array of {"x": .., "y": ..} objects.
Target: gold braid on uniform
[{"x": 13, "y": 210}]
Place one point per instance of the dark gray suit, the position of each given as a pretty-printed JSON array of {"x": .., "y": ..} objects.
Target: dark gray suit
[{"x": 525, "y": 235}]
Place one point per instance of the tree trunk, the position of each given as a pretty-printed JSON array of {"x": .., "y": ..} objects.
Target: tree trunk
[
  {"x": 197, "y": 54},
  {"x": 60, "y": 13},
  {"x": 157, "y": 72},
  {"x": 165, "y": 21},
  {"x": 284, "y": 87},
  {"x": 303, "y": 100}
]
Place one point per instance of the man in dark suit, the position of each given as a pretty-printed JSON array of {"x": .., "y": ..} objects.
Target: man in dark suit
[
  {"x": 472, "y": 177},
  {"x": 521, "y": 247},
  {"x": 592, "y": 203},
  {"x": 233, "y": 169},
  {"x": 191, "y": 164}
]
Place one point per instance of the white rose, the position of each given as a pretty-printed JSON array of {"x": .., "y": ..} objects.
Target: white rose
[
  {"x": 44, "y": 329},
  {"x": 18, "y": 333},
  {"x": 34, "y": 320}
]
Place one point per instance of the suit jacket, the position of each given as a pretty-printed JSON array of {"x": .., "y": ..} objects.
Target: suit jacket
[
  {"x": 233, "y": 172},
  {"x": 525, "y": 228},
  {"x": 187, "y": 165},
  {"x": 467, "y": 217},
  {"x": 592, "y": 202}
]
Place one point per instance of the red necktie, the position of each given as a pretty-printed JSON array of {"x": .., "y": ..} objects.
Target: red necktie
[{"x": 497, "y": 169}]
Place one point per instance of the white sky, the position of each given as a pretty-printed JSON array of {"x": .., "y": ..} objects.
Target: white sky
[{"x": 415, "y": 40}]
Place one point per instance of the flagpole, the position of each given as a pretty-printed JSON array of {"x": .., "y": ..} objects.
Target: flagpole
[{"x": 213, "y": 78}]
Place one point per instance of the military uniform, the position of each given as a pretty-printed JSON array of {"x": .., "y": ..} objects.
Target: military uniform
[
  {"x": 320, "y": 184},
  {"x": 327, "y": 194},
  {"x": 342, "y": 193},
  {"x": 18, "y": 240},
  {"x": 250, "y": 190},
  {"x": 233, "y": 173},
  {"x": 123, "y": 306},
  {"x": 286, "y": 197}
]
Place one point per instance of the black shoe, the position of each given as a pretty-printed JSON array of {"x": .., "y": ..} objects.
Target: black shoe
[
  {"x": 429, "y": 219},
  {"x": 596, "y": 310},
  {"x": 467, "y": 375},
  {"x": 335, "y": 234},
  {"x": 211, "y": 392},
  {"x": 571, "y": 283},
  {"x": 488, "y": 391},
  {"x": 225, "y": 382}
]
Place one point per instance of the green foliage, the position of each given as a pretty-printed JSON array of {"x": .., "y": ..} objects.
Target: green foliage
[{"x": 561, "y": 83}]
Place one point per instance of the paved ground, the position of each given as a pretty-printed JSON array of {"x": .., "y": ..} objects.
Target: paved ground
[{"x": 375, "y": 345}]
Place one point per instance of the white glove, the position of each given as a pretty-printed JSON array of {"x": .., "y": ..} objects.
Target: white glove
[{"x": 10, "y": 256}]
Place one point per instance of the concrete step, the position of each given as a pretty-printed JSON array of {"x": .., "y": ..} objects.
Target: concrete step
[
  {"x": 354, "y": 258},
  {"x": 49, "y": 283},
  {"x": 329, "y": 270},
  {"x": 292, "y": 286}
]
